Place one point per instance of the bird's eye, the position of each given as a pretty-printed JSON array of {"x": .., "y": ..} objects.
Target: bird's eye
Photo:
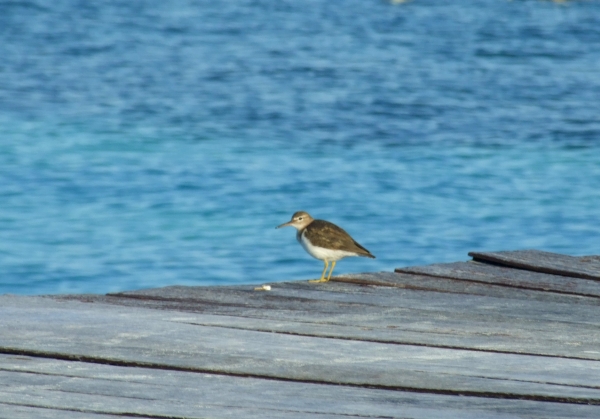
[{"x": 299, "y": 218}]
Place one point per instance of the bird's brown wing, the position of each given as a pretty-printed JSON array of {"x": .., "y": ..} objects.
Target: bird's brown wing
[{"x": 325, "y": 234}]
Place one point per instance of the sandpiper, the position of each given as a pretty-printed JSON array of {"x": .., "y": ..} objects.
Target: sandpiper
[{"x": 325, "y": 241}]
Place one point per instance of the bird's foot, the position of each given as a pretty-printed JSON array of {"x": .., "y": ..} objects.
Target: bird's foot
[{"x": 318, "y": 280}]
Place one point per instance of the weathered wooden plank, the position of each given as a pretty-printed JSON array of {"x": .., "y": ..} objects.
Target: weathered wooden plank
[
  {"x": 139, "y": 337},
  {"x": 335, "y": 298},
  {"x": 47, "y": 388},
  {"x": 449, "y": 335},
  {"x": 19, "y": 411},
  {"x": 384, "y": 314},
  {"x": 500, "y": 275},
  {"x": 394, "y": 313},
  {"x": 587, "y": 267}
]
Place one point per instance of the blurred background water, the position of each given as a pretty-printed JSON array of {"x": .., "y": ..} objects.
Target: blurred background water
[{"x": 151, "y": 143}]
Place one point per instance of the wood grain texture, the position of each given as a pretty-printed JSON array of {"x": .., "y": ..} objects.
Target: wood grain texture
[
  {"x": 150, "y": 338},
  {"x": 586, "y": 267},
  {"x": 501, "y": 275},
  {"x": 512, "y": 321},
  {"x": 464, "y": 340},
  {"x": 55, "y": 389}
]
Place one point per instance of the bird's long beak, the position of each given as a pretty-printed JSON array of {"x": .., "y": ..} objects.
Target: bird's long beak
[{"x": 289, "y": 223}]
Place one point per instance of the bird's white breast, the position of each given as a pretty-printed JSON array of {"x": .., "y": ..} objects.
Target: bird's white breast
[{"x": 322, "y": 253}]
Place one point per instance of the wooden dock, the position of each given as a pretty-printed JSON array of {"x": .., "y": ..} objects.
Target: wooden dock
[{"x": 506, "y": 335}]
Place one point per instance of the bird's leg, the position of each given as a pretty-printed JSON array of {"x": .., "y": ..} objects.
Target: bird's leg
[
  {"x": 332, "y": 267},
  {"x": 322, "y": 274}
]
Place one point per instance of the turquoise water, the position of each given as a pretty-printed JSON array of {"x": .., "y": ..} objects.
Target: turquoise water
[{"x": 148, "y": 145}]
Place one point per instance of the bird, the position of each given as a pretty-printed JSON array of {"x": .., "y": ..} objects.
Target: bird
[{"x": 324, "y": 241}]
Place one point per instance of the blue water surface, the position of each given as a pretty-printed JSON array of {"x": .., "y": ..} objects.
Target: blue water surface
[{"x": 145, "y": 144}]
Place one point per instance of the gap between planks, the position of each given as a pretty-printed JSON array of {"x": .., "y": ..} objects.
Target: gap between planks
[
  {"x": 478, "y": 281},
  {"x": 152, "y": 365},
  {"x": 384, "y": 341},
  {"x": 99, "y": 413},
  {"x": 266, "y": 329}
]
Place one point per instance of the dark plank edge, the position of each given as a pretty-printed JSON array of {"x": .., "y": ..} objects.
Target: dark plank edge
[
  {"x": 375, "y": 283},
  {"x": 96, "y": 413},
  {"x": 153, "y": 365},
  {"x": 347, "y": 402},
  {"x": 392, "y": 342},
  {"x": 492, "y": 258},
  {"x": 324, "y": 334},
  {"x": 501, "y": 284},
  {"x": 416, "y": 282}
]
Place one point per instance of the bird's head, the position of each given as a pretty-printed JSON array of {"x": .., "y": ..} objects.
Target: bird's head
[{"x": 299, "y": 220}]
